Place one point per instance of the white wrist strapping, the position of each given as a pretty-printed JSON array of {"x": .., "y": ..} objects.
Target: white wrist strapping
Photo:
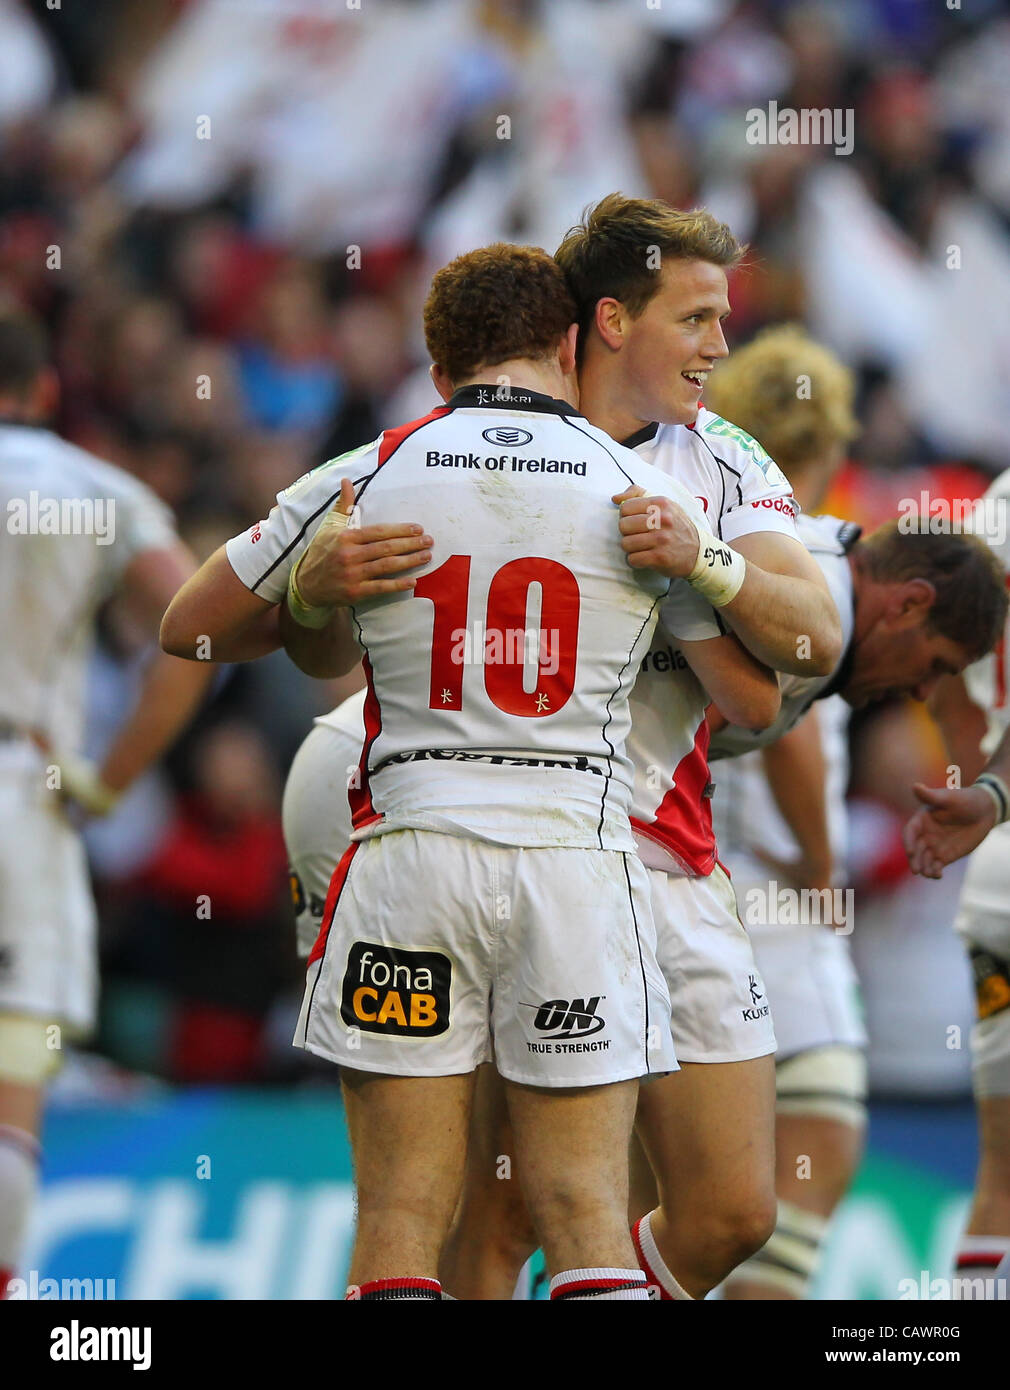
[
  {"x": 998, "y": 790},
  {"x": 79, "y": 778},
  {"x": 719, "y": 571},
  {"x": 307, "y": 614}
]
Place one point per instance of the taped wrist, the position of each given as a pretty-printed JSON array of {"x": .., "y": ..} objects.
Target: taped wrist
[
  {"x": 998, "y": 790},
  {"x": 719, "y": 571},
  {"x": 308, "y": 614},
  {"x": 79, "y": 778}
]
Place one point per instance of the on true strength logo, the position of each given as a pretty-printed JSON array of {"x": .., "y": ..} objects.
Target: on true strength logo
[
  {"x": 404, "y": 994},
  {"x": 560, "y": 1018}
]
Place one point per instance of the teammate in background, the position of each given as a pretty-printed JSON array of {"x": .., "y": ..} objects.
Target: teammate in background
[
  {"x": 785, "y": 806},
  {"x": 973, "y": 714},
  {"x": 77, "y": 532},
  {"x": 492, "y": 882}
]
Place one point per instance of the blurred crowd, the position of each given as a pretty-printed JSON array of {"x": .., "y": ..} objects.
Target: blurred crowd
[{"x": 228, "y": 212}]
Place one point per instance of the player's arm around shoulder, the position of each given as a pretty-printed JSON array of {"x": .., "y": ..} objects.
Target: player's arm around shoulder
[
  {"x": 291, "y": 579},
  {"x": 745, "y": 691},
  {"x": 783, "y": 611}
]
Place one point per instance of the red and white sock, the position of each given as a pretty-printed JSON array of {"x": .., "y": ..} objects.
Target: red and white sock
[
  {"x": 979, "y": 1257},
  {"x": 19, "y": 1175},
  {"x": 390, "y": 1290},
  {"x": 610, "y": 1285},
  {"x": 651, "y": 1261}
]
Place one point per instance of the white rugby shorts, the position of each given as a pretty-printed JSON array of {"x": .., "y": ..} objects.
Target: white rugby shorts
[
  {"x": 719, "y": 1006},
  {"x": 439, "y": 953},
  {"x": 48, "y": 965}
]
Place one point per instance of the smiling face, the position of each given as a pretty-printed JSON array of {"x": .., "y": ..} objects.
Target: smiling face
[{"x": 668, "y": 350}]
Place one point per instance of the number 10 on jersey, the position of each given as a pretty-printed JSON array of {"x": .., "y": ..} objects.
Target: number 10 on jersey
[{"x": 503, "y": 652}]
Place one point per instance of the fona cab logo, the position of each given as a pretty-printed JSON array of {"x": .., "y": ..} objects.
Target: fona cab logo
[{"x": 393, "y": 991}]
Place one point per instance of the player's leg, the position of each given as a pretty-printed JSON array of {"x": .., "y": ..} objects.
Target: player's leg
[
  {"x": 709, "y": 1130},
  {"x": 492, "y": 1235},
  {"x": 643, "y": 1194},
  {"x": 397, "y": 993},
  {"x": 820, "y": 1100},
  {"x": 819, "y": 1134},
  {"x": 581, "y": 1011},
  {"x": 47, "y": 985},
  {"x": 572, "y": 1147},
  {"x": 20, "y": 1114},
  {"x": 986, "y": 1241},
  {"x": 983, "y": 924},
  {"x": 408, "y": 1138}
]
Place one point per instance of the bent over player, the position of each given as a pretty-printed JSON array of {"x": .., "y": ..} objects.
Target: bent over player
[{"x": 491, "y": 905}]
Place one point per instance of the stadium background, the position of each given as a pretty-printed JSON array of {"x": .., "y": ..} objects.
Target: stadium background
[{"x": 228, "y": 212}]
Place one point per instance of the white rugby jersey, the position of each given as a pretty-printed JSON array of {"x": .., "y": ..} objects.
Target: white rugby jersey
[
  {"x": 987, "y": 679},
  {"x": 497, "y": 702},
  {"x": 829, "y": 541},
  {"x": 746, "y": 816},
  {"x": 742, "y": 490},
  {"x": 71, "y": 524}
]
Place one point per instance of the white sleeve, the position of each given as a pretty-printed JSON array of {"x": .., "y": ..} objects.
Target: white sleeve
[
  {"x": 683, "y": 612},
  {"x": 758, "y": 495},
  {"x": 264, "y": 555}
]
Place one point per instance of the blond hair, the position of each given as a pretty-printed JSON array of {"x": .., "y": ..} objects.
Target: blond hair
[{"x": 788, "y": 391}]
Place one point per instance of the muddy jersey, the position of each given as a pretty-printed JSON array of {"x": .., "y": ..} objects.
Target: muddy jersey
[
  {"x": 497, "y": 703},
  {"x": 741, "y": 490}
]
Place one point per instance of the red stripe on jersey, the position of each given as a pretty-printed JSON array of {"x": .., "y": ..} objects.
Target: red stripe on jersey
[
  {"x": 683, "y": 821},
  {"x": 359, "y": 797},
  {"x": 392, "y": 439},
  {"x": 332, "y": 898}
]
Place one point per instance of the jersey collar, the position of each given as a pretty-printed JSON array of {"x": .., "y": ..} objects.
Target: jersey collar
[
  {"x": 843, "y": 671},
  {"x": 496, "y": 397},
  {"x": 641, "y": 436}
]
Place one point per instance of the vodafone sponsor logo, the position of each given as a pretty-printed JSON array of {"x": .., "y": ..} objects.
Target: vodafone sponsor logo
[{"x": 777, "y": 504}]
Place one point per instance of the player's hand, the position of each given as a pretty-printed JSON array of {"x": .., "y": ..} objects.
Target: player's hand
[
  {"x": 807, "y": 874},
  {"x": 346, "y": 563},
  {"x": 78, "y": 783},
  {"x": 656, "y": 534},
  {"x": 951, "y": 822}
]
